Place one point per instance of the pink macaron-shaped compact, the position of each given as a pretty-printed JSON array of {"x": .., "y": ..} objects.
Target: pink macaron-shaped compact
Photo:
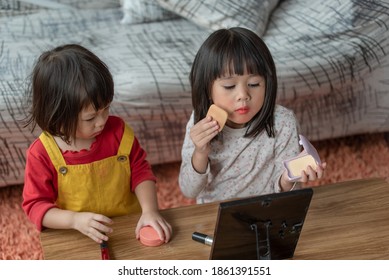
[{"x": 149, "y": 237}]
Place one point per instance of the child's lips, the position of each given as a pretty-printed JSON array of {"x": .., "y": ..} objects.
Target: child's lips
[{"x": 242, "y": 110}]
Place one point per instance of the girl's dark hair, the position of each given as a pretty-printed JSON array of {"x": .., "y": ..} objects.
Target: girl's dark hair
[
  {"x": 235, "y": 50},
  {"x": 63, "y": 82}
]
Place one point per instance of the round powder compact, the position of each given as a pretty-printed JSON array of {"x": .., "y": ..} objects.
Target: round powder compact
[{"x": 149, "y": 237}]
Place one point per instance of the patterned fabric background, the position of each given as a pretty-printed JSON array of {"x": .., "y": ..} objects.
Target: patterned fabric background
[
  {"x": 216, "y": 14},
  {"x": 331, "y": 57}
]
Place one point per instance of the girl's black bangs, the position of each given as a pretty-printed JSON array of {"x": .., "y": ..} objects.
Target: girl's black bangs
[{"x": 239, "y": 59}]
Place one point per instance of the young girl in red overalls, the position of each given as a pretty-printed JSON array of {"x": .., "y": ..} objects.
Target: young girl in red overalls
[{"x": 86, "y": 166}]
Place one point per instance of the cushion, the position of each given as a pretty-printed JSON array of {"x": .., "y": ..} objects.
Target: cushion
[
  {"x": 20, "y": 5},
  {"x": 139, "y": 11},
  {"x": 216, "y": 14}
]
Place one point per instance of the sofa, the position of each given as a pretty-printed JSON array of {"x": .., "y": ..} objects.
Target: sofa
[{"x": 332, "y": 60}]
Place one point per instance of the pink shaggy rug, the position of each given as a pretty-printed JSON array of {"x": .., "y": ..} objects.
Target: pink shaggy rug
[{"x": 364, "y": 156}]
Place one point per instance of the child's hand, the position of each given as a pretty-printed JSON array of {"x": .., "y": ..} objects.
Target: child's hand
[
  {"x": 310, "y": 174},
  {"x": 155, "y": 220},
  {"x": 92, "y": 225},
  {"x": 202, "y": 133}
]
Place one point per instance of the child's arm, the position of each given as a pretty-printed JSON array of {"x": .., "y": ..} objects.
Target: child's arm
[
  {"x": 90, "y": 224},
  {"x": 147, "y": 198},
  {"x": 201, "y": 134}
]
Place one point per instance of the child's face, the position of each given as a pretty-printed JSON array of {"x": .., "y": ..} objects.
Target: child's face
[
  {"x": 241, "y": 96},
  {"x": 91, "y": 122}
]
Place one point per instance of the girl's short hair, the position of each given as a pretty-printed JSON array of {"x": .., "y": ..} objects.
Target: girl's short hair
[
  {"x": 234, "y": 51},
  {"x": 65, "y": 80}
]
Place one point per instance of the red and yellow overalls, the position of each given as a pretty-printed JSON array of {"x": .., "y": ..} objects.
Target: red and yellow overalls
[{"x": 100, "y": 187}]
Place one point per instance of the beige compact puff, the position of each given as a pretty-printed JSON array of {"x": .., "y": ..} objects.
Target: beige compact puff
[{"x": 218, "y": 114}]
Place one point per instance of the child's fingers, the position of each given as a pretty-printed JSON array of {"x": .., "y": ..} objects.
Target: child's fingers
[
  {"x": 320, "y": 170},
  {"x": 311, "y": 173},
  {"x": 304, "y": 177},
  {"x": 204, "y": 128},
  {"x": 322, "y": 166},
  {"x": 308, "y": 175},
  {"x": 137, "y": 229},
  {"x": 161, "y": 233},
  {"x": 167, "y": 229},
  {"x": 102, "y": 219},
  {"x": 163, "y": 229},
  {"x": 99, "y": 222},
  {"x": 95, "y": 235}
]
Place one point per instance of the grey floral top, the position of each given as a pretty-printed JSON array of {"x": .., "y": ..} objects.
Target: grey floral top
[{"x": 241, "y": 167}]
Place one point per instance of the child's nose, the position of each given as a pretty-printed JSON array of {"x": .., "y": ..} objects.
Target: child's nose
[
  {"x": 100, "y": 121},
  {"x": 243, "y": 94}
]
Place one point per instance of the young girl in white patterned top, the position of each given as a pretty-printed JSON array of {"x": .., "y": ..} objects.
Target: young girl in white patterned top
[{"x": 234, "y": 70}]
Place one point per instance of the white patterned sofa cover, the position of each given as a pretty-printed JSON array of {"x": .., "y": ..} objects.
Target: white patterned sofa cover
[{"x": 331, "y": 57}]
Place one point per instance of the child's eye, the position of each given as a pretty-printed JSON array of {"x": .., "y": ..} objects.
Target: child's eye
[
  {"x": 89, "y": 120},
  {"x": 229, "y": 87},
  {"x": 254, "y": 85}
]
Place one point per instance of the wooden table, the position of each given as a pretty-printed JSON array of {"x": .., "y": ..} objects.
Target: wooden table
[{"x": 348, "y": 220}]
